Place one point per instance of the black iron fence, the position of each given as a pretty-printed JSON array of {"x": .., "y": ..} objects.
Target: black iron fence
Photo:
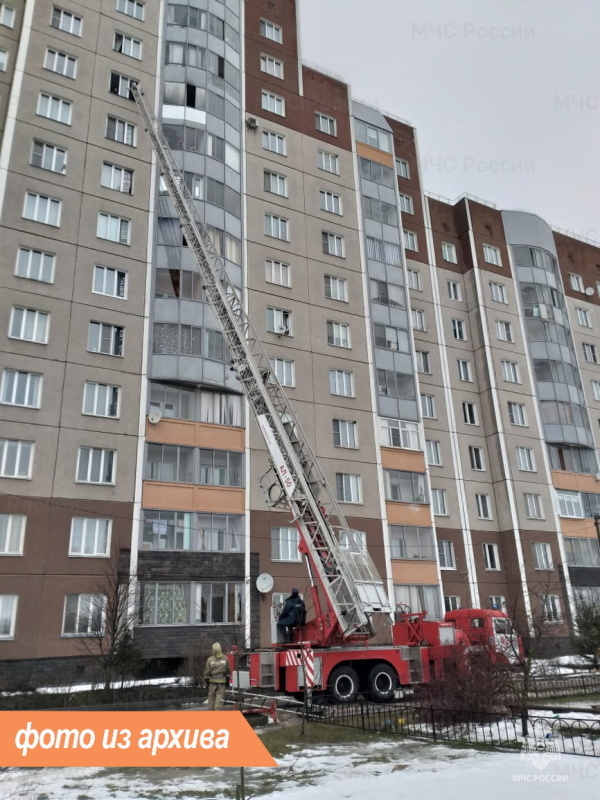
[
  {"x": 579, "y": 736},
  {"x": 562, "y": 686}
]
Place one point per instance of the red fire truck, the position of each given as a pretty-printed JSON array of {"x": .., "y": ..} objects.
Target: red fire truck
[{"x": 331, "y": 650}]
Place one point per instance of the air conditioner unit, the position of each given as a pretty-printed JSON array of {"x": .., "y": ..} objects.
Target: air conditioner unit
[{"x": 252, "y": 123}]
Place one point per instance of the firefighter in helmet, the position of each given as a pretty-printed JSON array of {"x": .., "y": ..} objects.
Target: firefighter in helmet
[
  {"x": 291, "y": 616},
  {"x": 216, "y": 675}
]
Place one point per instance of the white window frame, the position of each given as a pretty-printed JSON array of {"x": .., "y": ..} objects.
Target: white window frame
[
  {"x": 130, "y": 46},
  {"x": 347, "y": 377},
  {"x": 583, "y": 317},
  {"x": 271, "y": 31},
  {"x": 60, "y": 63},
  {"x": 122, "y": 225},
  {"x": 476, "y": 458},
  {"x": 459, "y": 329},
  {"x": 449, "y": 253},
  {"x": 408, "y": 435},
  {"x": 128, "y": 129},
  {"x": 534, "y": 505},
  {"x": 272, "y": 103},
  {"x": 570, "y": 505},
  {"x": 123, "y": 88},
  {"x": 276, "y": 227},
  {"x": 410, "y": 240},
  {"x": 590, "y": 352},
  {"x": 113, "y": 330},
  {"x": 33, "y": 387},
  {"x": 91, "y": 528},
  {"x": 470, "y": 415},
  {"x": 118, "y": 178},
  {"x": 422, "y": 361},
  {"x": 484, "y": 506},
  {"x": 330, "y": 202},
  {"x": 334, "y": 243},
  {"x": 414, "y": 279},
  {"x": 91, "y": 390},
  {"x": 7, "y": 15},
  {"x": 576, "y": 282},
  {"x": 504, "y": 331},
  {"x": 552, "y": 612},
  {"x": 517, "y": 414},
  {"x": 275, "y": 183},
  {"x": 14, "y": 602},
  {"x": 35, "y": 265},
  {"x": 492, "y": 255},
  {"x": 427, "y": 404},
  {"x": 439, "y": 502},
  {"x": 277, "y": 272},
  {"x": 355, "y": 487},
  {"x": 446, "y": 554},
  {"x": 132, "y": 8},
  {"x": 284, "y": 369},
  {"x": 434, "y": 454},
  {"x": 284, "y": 544},
  {"x": 271, "y": 66},
  {"x": 40, "y": 317},
  {"x": 407, "y": 205},
  {"x": 338, "y": 334},
  {"x": 454, "y": 290},
  {"x": 278, "y": 139},
  {"x": 66, "y": 21},
  {"x": 417, "y": 319},
  {"x": 46, "y": 210},
  {"x": 464, "y": 369},
  {"x": 526, "y": 459},
  {"x": 101, "y": 603},
  {"x": 336, "y": 288},
  {"x": 51, "y": 157},
  {"x": 542, "y": 554},
  {"x": 325, "y": 124},
  {"x": 498, "y": 292},
  {"x": 346, "y": 432},
  {"x": 12, "y": 534},
  {"x": 63, "y": 108},
  {"x": 510, "y": 369},
  {"x": 279, "y": 321},
  {"x": 110, "y": 275},
  {"x": 596, "y": 389},
  {"x": 24, "y": 449},
  {"x": 3, "y": 59},
  {"x": 104, "y": 456},
  {"x": 403, "y": 168},
  {"x": 328, "y": 162},
  {"x": 491, "y": 557}
]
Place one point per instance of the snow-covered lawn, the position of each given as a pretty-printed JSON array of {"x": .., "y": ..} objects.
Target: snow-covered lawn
[{"x": 390, "y": 768}]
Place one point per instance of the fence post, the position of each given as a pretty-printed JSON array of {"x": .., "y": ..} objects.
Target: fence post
[
  {"x": 362, "y": 714},
  {"x": 524, "y": 719},
  {"x": 433, "y": 725}
]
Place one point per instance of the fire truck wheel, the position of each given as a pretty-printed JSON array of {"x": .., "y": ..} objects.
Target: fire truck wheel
[
  {"x": 382, "y": 683},
  {"x": 343, "y": 685}
]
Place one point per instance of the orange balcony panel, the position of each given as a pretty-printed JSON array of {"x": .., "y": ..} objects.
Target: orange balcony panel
[
  {"x": 373, "y": 154},
  {"x": 184, "y": 497},
  {"x": 409, "y": 460},
  {"x": 408, "y": 514},
  {"x": 413, "y": 571},
  {"x": 195, "y": 434},
  {"x": 585, "y": 528}
]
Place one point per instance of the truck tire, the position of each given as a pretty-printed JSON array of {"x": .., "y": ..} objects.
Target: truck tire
[
  {"x": 343, "y": 685},
  {"x": 382, "y": 683}
]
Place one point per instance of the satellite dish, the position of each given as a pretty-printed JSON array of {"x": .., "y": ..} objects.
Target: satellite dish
[
  {"x": 282, "y": 329},
  {"x": 264, "y": 583},
  {"x": 154, "y": 416},
  {"x": 589, "y": 291}
]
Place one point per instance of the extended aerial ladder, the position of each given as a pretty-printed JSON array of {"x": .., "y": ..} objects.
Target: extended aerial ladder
[{"x": 346, "y": 575}]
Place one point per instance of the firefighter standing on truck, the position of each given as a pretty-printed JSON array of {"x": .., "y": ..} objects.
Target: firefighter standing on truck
[{"x": 216, "y": 676}]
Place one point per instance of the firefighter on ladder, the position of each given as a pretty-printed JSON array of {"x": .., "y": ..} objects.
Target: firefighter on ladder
[{"x": 216, "y": 676}]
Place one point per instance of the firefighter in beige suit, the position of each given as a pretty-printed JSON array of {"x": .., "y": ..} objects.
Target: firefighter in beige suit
[{"x": 216, "y": 676}]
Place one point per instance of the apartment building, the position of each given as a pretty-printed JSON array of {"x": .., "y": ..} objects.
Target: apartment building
[{"x": 442, "y": 357}]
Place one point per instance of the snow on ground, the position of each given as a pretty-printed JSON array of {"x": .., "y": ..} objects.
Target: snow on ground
[{"x": 388, "y": 768}]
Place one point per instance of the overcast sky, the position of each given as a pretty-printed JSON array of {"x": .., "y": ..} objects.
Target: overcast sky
[{"x": 504, "y": 94}]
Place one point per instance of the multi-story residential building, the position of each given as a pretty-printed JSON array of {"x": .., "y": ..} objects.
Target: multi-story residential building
[{"x": 443, "y": 358}]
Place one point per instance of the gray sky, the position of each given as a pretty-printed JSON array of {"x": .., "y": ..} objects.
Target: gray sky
[{"x": 504, "y": 94}]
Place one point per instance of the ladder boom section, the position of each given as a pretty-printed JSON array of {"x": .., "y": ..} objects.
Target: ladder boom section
[{"x": 349, "y": 579}]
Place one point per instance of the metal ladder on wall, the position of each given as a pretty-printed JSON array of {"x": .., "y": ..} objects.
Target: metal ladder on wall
[{"x": 348, "y": 577}]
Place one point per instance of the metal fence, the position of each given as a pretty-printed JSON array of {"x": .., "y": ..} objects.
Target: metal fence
[
  {"x": 564, "y": 735},
  {"x": 563, "y": 686}
]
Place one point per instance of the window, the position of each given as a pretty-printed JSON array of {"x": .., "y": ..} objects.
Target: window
[
  {"x": 277, "y": 272},
  {"x": 504, "y": 331},
  {"x": 66, "y": 21},
  {"x": 396, "y": 384},
  {"x": 438, "y": 502},
  {"x": 348, "y": 488},
  {"x": 341, "y": 383},
  {"x": 454, "y": 290},
  {"x": 12, "y": 532},
  {"x": 417, "y": 319},
  {"x": 498, "y": 292},
  {"x": 120, "y": 131},
  {"x": 491, "y": 557},
  {"x": 596, "y": 389},
  {"x": 29, "y": 325},
  {"x": 21, "y": 388},
  {"x": 406, "y": 204},
  {"x": 576, "y": 282},
  {"x": 590, "y": 353},
  {"x": 470, "y": 413},
  {"x": 492, "y": 255},
  {"x": 583, "y": 318},
  {"x": 552, "y": 608},
  {"x": 569, "y": 505},
  {"x": 3, "y": 60},
  {"x": 338, "y": 334},
  {"x": 387, "y": 294},
  {"x": 101, "y": 399},
  {"x": 191, "y": 603},
  {"x": 344, "y": 433},
  {"x": 90, "y": 537},
  {"x": 410, "y": 240},
  {"x": 284, "y": 370},
  {"x": 476, "y": 458},
  {"x": 275, "y": 142},
  {"x": 104, "y": 338},
  {"x": 400, "y": 433},
  {"x": 8, "y": 602},
  {"x": 183, "y": 530},
  {"x": 414, "y": 279},
  {"x": 95, "y": 465},
  {"x": 133, "y": 8},
  {"x": 325, "y": 124},
  {"x": 533, "y": 504},
  {"x": 464, "y": 370},
  {"x": 542, "y": 555},
  {"x": 516, "y": 414},
  {"x": 109, "y": 281},
  {"x": 275, "y": 183},
  {"x": 446, "y": 554},
  {"x": 328, "y": 162},
  {"x": 84, "y": 615},
  {"x": 427, "y": 406},
  {"x": 498, "y": 601},
  {"x": 390, "y": 338},
  {"x": 372, "y": 136},
  {"x": 412, "y": 542},
  {"x": 16, "y": 458},
  {"x": 117, "y": 178},
  {"x": 582, "y": 552},
  {"x": 61, "y": 63},
  {"x": 7, "y": 16},
  {"x": 127, "y": 45},
  {"x": 173, "y": 464},
  {"x": 40, "y": 208},
  {"x": 35, "y": 265},
  {"x": 272, "y": 66},
  {"x": 328, "y": 201},
  {"x": 273, "y": 103},
  {"x": 277, "y": 227},
  {"x": 449, "y": 252},
  {"x": 458, "y": 329},
  {"x": 54, "y": 108},
  {"x": 451, "y": 602},
  {"x": 336, "y": 288},
  {"x": 279, "y": 321},
  {"x": 404, "y": 487},
  {"x": 422, "y": 358},
  {"x": 284, "y": 544},
  {"x": 434, "y": 456},
  {"x": 113, "y": 228},
  {"x": 402, "y": 168},
  {"x": 386, "y": 252},
  {"x": 121, "y": 85},
  {"x": 510, "y": 371},
  {"x": 271, "y": 31},
  {"x": 484, "y": 506},
  {"x": 333, "y": 245},
  {"x": 47, "y": 156},
  {"x": 525, "y": 459}
]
